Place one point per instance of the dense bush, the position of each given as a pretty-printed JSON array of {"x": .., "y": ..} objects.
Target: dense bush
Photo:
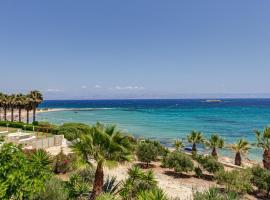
[
  {"x": 215, "y": 194},
  {"x": 180, "y": 162},
  {"x": 147, "y": 152},
  {"x": 162, "y": 151},
  {"x": 29, "y": 127},
  {"x": 62, "y": 163},
  {"x": 54, "y": 190},
  {"x": 22, "y": 176},
  {"x": 261, "y": 178},
  {"x": 72, "y": 131},
  {"x": 238, "y": 181},
  {"x": 107, "y": 196},
  {"x": 209, "y": 163}
]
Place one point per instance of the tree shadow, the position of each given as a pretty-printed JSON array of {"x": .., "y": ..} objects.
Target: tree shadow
[{"x": 177, "y": 174}]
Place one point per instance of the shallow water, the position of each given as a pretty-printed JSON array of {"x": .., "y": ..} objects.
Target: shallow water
[{"x": 166, "y": 120}]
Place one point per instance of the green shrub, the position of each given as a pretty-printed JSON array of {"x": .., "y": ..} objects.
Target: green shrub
[
  {"x": 261, "y": 178},
  {"x": 154, "y": 194},
  {"x": 214, "y": 194},
  {"x": 180, "y": 162},
  {"x": 35, "y": 123},
  {"x": 162, "y": 151},
  {"x": 72, "y": 131},
  {"x": 147, "y": 152},
  {"x": 198, "y": 172},
  {"x": 62, "y": 163},
  {"x": 238, "y": 181},
  {"x": 209, "y": 163},
  {"x": 54, "y": 190}
]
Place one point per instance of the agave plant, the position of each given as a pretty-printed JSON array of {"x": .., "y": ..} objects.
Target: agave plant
[
  {"x": 110, "y": 185},
  {"x": 154, "y": 194}
]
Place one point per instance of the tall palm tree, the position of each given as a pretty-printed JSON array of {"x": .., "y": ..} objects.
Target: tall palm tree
[
  {"x": 263, "y": 141},
  {"x": 5, "y": 105},
  {"x": 178, "y": 144},
  {"x": 1, "y": 104},
  {"x": 36, "y": 99},
  {"x": 240, "y": 148},
  {"x": 27, "y": 105},
  {"x": 19, "y": 102},
  {"x": 194, "y": 138},
  {"x": 215, "y": 142},
  {"x": 104, "y": 144},
  {"x": 12, "y": 105}
]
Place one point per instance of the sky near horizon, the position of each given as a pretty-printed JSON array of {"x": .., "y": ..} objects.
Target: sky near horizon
[{"x": 135, "y": 49}]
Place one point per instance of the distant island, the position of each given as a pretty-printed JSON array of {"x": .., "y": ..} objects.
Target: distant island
[{"x": 213, "y": 101}]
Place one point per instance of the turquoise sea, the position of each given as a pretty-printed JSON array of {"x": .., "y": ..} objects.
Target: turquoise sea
[{"x": 166, "y": 120}]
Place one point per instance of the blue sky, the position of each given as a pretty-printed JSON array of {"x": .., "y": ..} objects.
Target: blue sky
[{"x": 135, "y": 49}]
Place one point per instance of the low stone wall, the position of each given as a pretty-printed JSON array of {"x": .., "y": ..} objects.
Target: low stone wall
[{"x": 43, "y": 143}]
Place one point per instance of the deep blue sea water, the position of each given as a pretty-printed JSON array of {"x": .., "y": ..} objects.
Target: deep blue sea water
[{"x": 166, "y": 120}]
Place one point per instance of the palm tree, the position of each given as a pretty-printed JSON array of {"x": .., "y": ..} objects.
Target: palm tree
[
  {"x": 263, "y": 141},
  {"x": 5, "y": 105},
  {"x": 27, "y": 105},
  {"x": 240, "y": 148},
  {"x": 178, "y": 144},
  {"x": 36, "y": 99},
  {"x": 104, "y": 144},
  {"x": 215, "y": 142},
  {"x": 195, "y": 137},
  {"x": 1, "y": 104},
  {"x": 12, "y": 105},
  {"x": 19, "y": 102}
]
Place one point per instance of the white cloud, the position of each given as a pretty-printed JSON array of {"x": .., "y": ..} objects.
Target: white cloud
[
  {"x": 129, "y": 88},
  {"x": 97, "y": 86},
  {"x": 83, "y": 86},
  {"x": 53, "y": 90}
]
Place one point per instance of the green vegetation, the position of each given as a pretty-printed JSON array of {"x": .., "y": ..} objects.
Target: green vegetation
[
  {"x": 22, "y": 176},
  {"x": 195, "y": 138},
  {"x": 72, "y": 131},
  {"x": 178, "y": 161},
  {"x": 261, "y": 179},
  {"x": 137, "y": 182},
  {"x": 20, "y": 102},
  {"x": 263, "y": 141},
  {"x": 178, "y": 144},
  {"x": 209, "y": 163},
  {"x": 238, "y": 181},
  {"x": 106, "y": 145},
  {"x": 147, "y": 152},
  {"x": 215, "y": 142},
  {"x": 215, "y": 194},
  {"x": 240, "y": 148}
]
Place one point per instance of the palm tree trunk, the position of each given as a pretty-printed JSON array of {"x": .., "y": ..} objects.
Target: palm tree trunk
[
  {"x": 266, "y": 159},
  {"x": 214, "y": 152},
  {"x": 238, "y": 159},
  {"x": 98, "y": 182},
  {"x": 194, "y": 148},
  {"x": 27, "y": 116},
  {"x": 20, "y": 115},
  {"x": 0, "y": 114},
  {"x": 12, "y": 114},
  {"x": 34, "y": 113},
  {"x": 5, "y": 114}
]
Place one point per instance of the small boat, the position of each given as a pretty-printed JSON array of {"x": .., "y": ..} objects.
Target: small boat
[{"x": 213, "y": 101}]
